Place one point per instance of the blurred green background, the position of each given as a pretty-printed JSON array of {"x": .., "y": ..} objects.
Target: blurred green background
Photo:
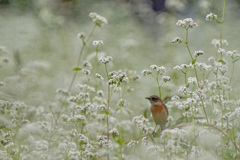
[{"x": 39, "y": 38}]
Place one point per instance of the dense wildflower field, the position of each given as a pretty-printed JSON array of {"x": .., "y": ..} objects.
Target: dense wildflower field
[{"x": 73, "y": 86}]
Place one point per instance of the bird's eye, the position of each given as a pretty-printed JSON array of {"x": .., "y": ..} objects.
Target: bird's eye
[{"x": 154, "y": 99}]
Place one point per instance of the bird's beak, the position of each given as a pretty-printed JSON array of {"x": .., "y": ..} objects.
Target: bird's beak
[{"x": 147, "y": 98}]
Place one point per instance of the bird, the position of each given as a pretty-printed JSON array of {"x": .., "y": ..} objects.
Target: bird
[{"x": 159, "y": 112}]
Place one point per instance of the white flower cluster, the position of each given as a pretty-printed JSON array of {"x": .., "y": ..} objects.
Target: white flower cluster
[
  {"x": 203, "y": 66},
  {"x": 97, "y": 43},
  {"x": 175, "y": 97},
  {"x": 105, "y": 60},
  {"x": 87, "y": 64},
  {"x": 85, "y": 87},
  {"x": 186, "y": 104},
  {"x": 211, "y": 17},
  {"x": 161, "y": 70},
  {"x": 184, "y": 67},
  {"x": 97, "y": 19},
  {"x": 146, "y": 72},
  {"x": 216, "y": 42},
  {"x": 186, "y": 23},
  {"x": 103, "y": 141},
  {"x": 198, "y": 53},
  {"x": 114, "y": 131},
  {"x": 234, "y": 55},
  {"x": 99, "y": 76},
  {"x": 76, "y": 118},
  {"x": 219, "y": 68},
  {"x": 82, "y": 139},
  {"x": 41, "y": 145},
  {"x": 116, "y": 78},
  {"x": 235, "y": 114},
  {"x": 81, "y": 35},
  {"x": 192, "y": 80},
  {"x": 141, "y": 122},
  {"x": 153, "y": 148},
  {"x": 12, "y": 108},
  {"x": 166, "y": 78},
  {"x": 175, "y": 133},
  {"x": 78, "y": 97},
  {"x": 86, "y": 71},
  {"x": 177, "y": 40},
  {"x": 132, "y": 143},
  {"x": 221, "y": 51}
]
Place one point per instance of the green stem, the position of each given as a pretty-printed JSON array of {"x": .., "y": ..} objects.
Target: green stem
[
  {"x": 80, "y": 55},
  {"x": 195, "y": 70},
  {"x": 185, "y": 76},
  {"x": 89, "y": 77},
  {"x": 231, "y": 74},
  {"x": 108, "y": 106},
  {"x": 222, "y": 20},
  {"x": 204, "y": 109},
  {"x": 159, "y": 86}
]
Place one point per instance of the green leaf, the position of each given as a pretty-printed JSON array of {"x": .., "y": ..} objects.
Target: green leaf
[
  {"x": 221, "y": 61},
  {"x": 107, "y": 112},
  {"x": 77, "y": 69},
  {"x": 187, "y": 108},
  {"x": 157, "y": 134},
  {"x": 84, "y": 43},
  {"x": 120, "y": 141},
  {"x": 114, "y": 136},
  {"x": 193, "y": 62}
]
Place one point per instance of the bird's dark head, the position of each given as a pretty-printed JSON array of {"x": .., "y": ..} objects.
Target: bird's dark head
[{"x": 154, "y": 100}]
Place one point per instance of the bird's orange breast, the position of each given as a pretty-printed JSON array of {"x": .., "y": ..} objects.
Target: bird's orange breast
[{"x": 160, "y": 114}]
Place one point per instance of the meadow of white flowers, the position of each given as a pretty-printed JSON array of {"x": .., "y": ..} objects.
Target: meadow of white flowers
[{"x": 80, "y": 98}]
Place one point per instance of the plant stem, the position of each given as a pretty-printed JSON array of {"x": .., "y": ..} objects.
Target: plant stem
[
  {"x": 80, "y": 55},
  {"x": 159, "y": 87},
  {"x": 222, "y": 20},
  {"x": 108, "y": 106},
  {"x": 195, "y": 70},
  {"x": 204, "y": 109},
  {"x": 232, "y": 74}
]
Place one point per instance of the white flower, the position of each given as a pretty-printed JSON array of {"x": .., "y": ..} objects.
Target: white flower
[
  {"x": 221, "y": 51},
  {"x": 192, "y": 80},
  {"x": 81, "y": 35},
  {"x": 97, "y": 43},
  {"x": 216, "y": 42},
  {"x": 141, "y": 122},
  {"x": 99, "y": 20},
  {"x": 177, "y": 40},
  {"x": 132, "y": 143},
  {"x": 114, "y": 131},
  {"x": 173, "y": 98},
  {"x": 166, "y": 78},
  {"x": 86, "y": 71},
  {"x": 186, "y": 23},
  {"x": 211, "y": 17},
  {"x": 146, "y": 72},
  {"x": 198, "y": 53},
  {"x": 105, "y": 60},
  {"x": 99, "y": 76}
]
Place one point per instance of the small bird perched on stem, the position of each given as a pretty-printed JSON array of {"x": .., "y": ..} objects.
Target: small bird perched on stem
[{"x": 159, "y": 112}]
